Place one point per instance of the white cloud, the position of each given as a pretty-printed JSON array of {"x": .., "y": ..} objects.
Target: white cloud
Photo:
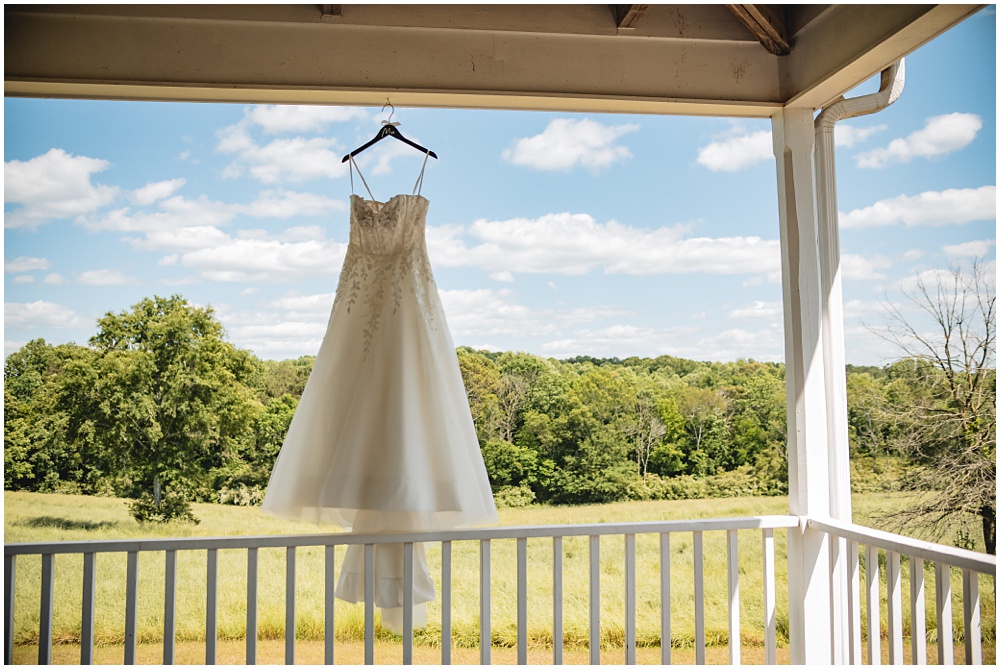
[
  {"x": 941, "y": 134},
  {"x": 31, "y": 315},
  {"x": 289, "y": 326},
  {"x": 54, "y": 279},
  {"x": 288, "y": 204},
  {"x": 948, "y": 207},
  {"x": 280, "y": 160},
  {"x": 574, "y": 244},
  {"x": 52, "y": 186},
  {"x": 854, "y": 267},
  {"x": 622, "y": 339},
  {"x": 103, "y": 277},
  {"x": 24, "y": 278},
  {"x": 276, "y": 119},
  {"x": 380, "y": 162},
  {"x": 154, "y": 191},
  {"x": 565, "y": 144},
  {"x": 25, "y": 264},
  {"x": 737, "y": 150},
  {"x": 929, "y": 277},
  {"x": 857, "y": 309},
  {"x": 234, "y": 260},
  {"x": 766, "y": 345},
  {"x": 190, "y": 238},
  {"x": 913, "y": 254},
  {"x": 317, "y": 304},
  {"x": 759, "y": 310},
  {"x": 475, "y": 315},
  {"x": 174, "y": 213},
  {"x": 846, "y": 135},
  {"x": 503, "y": 277},
  {"x": 976, "y": 248}
]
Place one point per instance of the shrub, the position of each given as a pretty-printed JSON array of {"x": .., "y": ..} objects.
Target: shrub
[
  {"x": 172, "y": 507},
  {"x": 509, "y": 496}
]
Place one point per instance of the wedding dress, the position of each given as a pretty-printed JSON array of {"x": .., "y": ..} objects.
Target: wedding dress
[{"x": 383, "y": 439}]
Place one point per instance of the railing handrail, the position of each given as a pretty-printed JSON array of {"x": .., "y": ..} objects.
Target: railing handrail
[
  {"x": 956, "y": 557},
  {"x": 346, "y": 538}
]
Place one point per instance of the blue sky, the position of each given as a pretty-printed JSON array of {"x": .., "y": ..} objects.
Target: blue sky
[{"x": 557, "y": 234}]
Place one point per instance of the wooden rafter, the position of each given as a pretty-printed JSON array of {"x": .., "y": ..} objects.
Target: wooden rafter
[
  {"x": 330, "y": 12},
  {"x": 627, "y": 17},
  {"x": 767, "y": 24}
]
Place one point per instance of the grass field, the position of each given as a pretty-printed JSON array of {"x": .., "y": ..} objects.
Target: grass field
[{"x": 36, "y": 517}]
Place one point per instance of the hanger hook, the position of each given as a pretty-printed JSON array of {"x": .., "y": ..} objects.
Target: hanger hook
[{"x": 392, "y": 110}]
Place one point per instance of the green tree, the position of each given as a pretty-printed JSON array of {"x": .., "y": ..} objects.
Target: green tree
[
  {"x": 481, "y": 377},
  {"x": 704, "y": 413},
  {"x": 38, "y": 455},
  {"x": 168, "y": 396}
]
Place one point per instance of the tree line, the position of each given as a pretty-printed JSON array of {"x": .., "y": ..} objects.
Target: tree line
[{"x": 160, "y": 408}]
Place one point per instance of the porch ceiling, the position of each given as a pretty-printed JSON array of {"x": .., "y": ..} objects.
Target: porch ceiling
[{"x": 675, "y": 59}]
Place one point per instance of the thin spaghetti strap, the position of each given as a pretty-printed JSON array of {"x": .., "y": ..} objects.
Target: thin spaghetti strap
[
  {"x": 355, "y": 167},
  {"x": 420, "y": 180}
]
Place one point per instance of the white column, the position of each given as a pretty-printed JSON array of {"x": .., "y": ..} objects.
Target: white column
[{"x": 809, "y": 598}]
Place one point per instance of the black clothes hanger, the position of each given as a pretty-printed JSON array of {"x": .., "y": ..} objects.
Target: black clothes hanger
[{"x": 389, "y": 129}]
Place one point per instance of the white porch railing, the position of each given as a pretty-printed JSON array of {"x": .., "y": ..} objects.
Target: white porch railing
[{"x": 944, "y": 558}]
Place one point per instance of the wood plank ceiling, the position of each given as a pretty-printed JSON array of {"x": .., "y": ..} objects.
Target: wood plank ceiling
[{"x": 733, "y": 60}]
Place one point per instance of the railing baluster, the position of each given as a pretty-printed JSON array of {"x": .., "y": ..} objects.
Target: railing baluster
[
  {"x": 972, "y": 617},
  {"x": 894, "y": 597},
  {"x": 131, "y": 599},
  {"x": 522, "y": 600},
  {"x": 942, "y": 586},
  {"x": 445, "y": 602},
  {"x": 595, "y": 599},
  {"x": 699, "y": 599},
  {"x": 290, "y": 605},
  {"x": 330, "y": 588},
  {"x": 854, "y": 599},
  {"x": 369, "y": 603},
  {"x": 557, "y": 601},
  {"x": 251, "y": 606},
  {"x": 211, "y": 604},
  {"x": 918, "y": 612},
  {"x": 169, "y": 606},
  {"x": 872, "y": 597},
  {"x": 407, "y": 603},
  {"x": 9, "y": 573},
  {"x": 733, "y": 568},
  {"x": 45, "y": 621},
  {"x": 770, "y": 614},
  {"x": 629, "y": 599},
  {"x": 87, "y": 613},
  {"x": 485, "y": 635},
  {"x": 664, "y": 598}
]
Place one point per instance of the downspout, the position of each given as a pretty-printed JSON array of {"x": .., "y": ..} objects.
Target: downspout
[
  {"x": 891, "y": 87},
  {"x": 845, "y": 633}
]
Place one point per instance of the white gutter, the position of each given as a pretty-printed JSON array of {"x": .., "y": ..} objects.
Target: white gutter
[
  {"x": 891, "y": 87},
  {"x": 845, "y": 646}
]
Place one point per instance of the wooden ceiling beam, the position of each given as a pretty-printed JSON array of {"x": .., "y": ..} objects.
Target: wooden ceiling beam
[
  {"x": 627, "y": 17},
  {"x": 767, "y": 23}
]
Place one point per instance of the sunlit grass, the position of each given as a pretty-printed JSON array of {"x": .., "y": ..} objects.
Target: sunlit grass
[{"x": 33, "y": 517}]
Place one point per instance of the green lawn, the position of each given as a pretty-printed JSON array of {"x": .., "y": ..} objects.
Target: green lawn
[{"x": 37, "y": 517}]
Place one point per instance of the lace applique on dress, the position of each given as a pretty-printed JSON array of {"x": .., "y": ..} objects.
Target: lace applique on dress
[{"x": 386, "y": 262}]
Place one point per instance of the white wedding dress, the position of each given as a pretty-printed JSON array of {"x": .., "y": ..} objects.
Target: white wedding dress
[{"x": 383, "y": 439}]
